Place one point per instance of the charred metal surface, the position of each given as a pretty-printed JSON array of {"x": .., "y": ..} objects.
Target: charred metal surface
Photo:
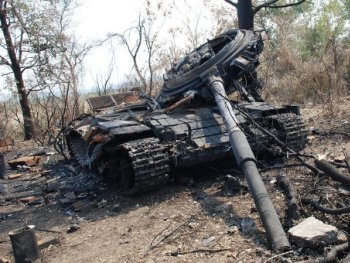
[
  {"x": 183, "y": 127},
  {"x": 139, "y": 144}
]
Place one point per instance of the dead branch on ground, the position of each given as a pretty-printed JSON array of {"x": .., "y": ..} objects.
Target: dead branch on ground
[
  {"x": 291, "y": 193},
  {"x": 331, "y": 171},
  {"x": 199, "y": 250},
  {"x": 333, "y": 254},
  {"x": 324, "y": 209}
]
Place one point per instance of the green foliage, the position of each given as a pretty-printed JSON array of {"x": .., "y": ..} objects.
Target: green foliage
[{"x": 328, "y": 22}]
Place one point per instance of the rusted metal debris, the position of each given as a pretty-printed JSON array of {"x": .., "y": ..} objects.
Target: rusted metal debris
[
  {"x": 27, "y": 160},
  {"x": 108, "y": 101},
  {"x": 6, "y": 145}
]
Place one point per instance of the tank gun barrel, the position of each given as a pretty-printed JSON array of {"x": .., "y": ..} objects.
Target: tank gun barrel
[{"x": 246, "y": 161}]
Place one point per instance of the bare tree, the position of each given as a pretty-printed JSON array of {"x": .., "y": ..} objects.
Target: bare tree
[
  {"x": 40, "y": 54},
  {"x": 143, "y": 43},
  {"x": 132, "y": 39},
  {"x": 103, "y": 82},
  {"x": 14, "y": 63}
]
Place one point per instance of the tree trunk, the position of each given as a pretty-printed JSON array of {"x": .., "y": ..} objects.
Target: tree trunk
[
  {"x": 16, "y": 69},
  {"x": 245, "y": 14},
  {"x": 29, "y": 131}
]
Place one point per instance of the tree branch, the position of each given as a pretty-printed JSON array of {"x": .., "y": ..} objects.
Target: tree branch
[
  {"x": 231, "y": 3},
  {"x": 269, "y": 4},
  {"x": 4, "y": 61},
  {"x": 319, "y": 207}
]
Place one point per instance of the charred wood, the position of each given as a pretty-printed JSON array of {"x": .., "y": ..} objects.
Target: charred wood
[
  {"x": 291, "y": 193},
  {"x": 324, "y": 209},
  {"x": 334, "y": 253},
  {"x": 331, "y": 171},
  {"x": 3, "y": 172}
]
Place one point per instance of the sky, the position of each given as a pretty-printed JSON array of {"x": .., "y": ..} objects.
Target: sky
[{"x": 95, "y": 21}]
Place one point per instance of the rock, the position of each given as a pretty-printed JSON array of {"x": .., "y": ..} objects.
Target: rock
[
  {"x": 3, "y": 260},
  {"x": 82, "y": 205},
  {"x": 116, "y": 208},
  {"x": 70, "y": 195},
  {"x": 102, "y": 203},
  {"x": 312, "y": 232},
  {"x": 73, "y": 228},
  {"x": 52, "y": 184},
  {"x": 340, "y": 158},
  {"x": 247, "y": 225},
  {"x": 65, "y": 202},
  {"x": 232, "y": 185},
  {"x": 208, "y": 241}
]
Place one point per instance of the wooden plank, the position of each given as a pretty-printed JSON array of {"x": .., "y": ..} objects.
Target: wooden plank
[
  {"x": 28, "y": 160},
  {"x": 14, "y": 176},
  {"x": 27, "y": 199}
]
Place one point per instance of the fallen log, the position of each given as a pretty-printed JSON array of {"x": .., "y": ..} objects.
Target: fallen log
[
  {"x": 291, "y": 193},
  {"x": 331, "y": 171}
]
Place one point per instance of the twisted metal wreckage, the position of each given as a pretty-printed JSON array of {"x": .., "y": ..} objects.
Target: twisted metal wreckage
[{"x": 141, "y": 144}]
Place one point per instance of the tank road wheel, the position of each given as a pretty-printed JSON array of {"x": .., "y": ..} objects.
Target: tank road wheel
[
  {"x": 118, "y": 172},
  {"x": 137, "y": 166}
]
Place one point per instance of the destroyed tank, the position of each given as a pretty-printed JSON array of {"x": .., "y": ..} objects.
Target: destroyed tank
[{"x": 140, "y": 143}]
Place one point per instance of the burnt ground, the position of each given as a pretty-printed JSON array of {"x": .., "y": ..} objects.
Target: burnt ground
[{"x": 195, "y": 220}]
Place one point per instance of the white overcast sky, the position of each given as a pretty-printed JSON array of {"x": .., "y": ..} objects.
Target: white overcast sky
[{"x": 95, "y": 19}]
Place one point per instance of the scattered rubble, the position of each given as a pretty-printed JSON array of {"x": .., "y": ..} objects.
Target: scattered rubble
[{"x": 73, "y": 228}]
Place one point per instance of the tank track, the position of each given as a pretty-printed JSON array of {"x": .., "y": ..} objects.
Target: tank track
[
  {"x": 77, "y": 147},
  {"x": 291, "y": 129},
  {"x": 148, "y": 160},
  {"x": 258, "y": 140},
  {"x": 150, "y": 164}
]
